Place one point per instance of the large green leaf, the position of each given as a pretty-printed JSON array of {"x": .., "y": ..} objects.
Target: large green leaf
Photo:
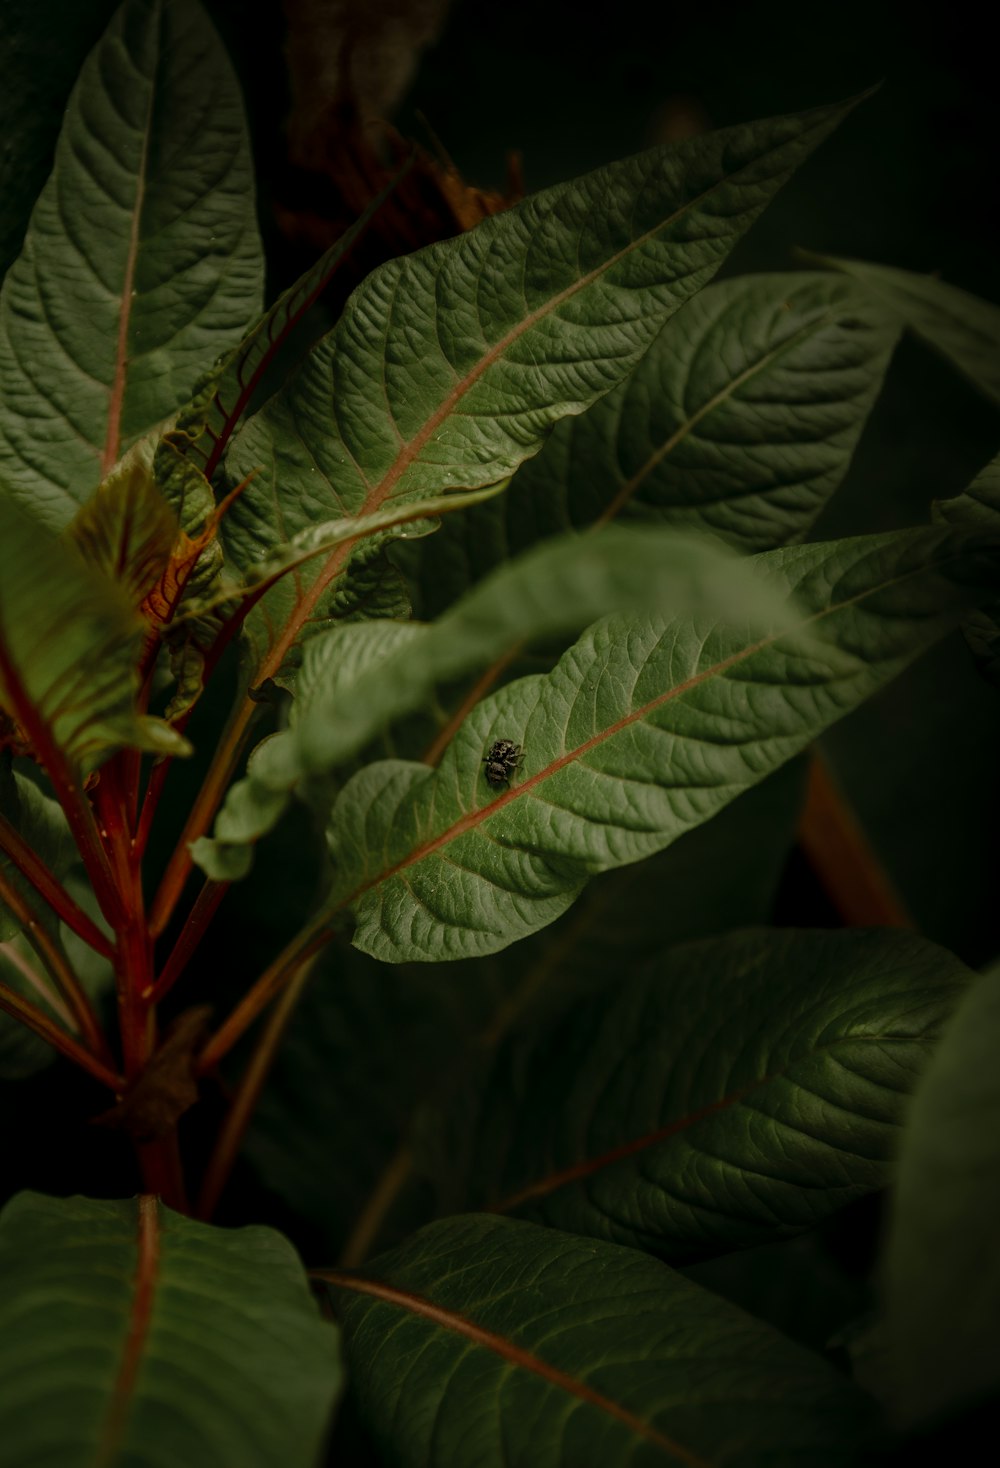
[
  {"x": 129, "y": 1334},
  {"x": 963, "y": 328},
  {"x": 448, "y": 367},
  {"x": 141, "y": 262},
  {"x": 69, "y": 643},
  {"x": 643, "y": 730},
  {"x": 552, "y": 591},
  {"x": 942, "y": 1269},
  {"x": 736, "y": 1090},
  {"x": 382, "y": 1040},
  {"x": 740, "y": 420},
  {"x": 482, "y": 1342}
]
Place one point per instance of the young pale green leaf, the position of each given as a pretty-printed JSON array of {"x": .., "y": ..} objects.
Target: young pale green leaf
[
  {"x": 963, "y": 328},
  {"x": 483, "y": 1342},
  {"x": 554, "y": 590},
  {"x": 448, "y": 367},
  {"x": 127, "y": 529},
  {"x": 740, "y": 420},
  {"x": 384, "y": 1040},
  {"x": 142, "y": 260},
  {"x": 643, "y": 730},
  {"x": 735, "y": 1091},
  {"x": 153, "y": 1339},
  {"x": 69, "y": 642},
  {"x": 941, "y": 1270}
]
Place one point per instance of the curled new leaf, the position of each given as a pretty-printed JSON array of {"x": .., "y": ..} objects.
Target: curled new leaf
[{"x": 69, "y": 641}]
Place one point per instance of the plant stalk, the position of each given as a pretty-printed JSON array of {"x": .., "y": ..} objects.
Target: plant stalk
[
  {"x": 275, "y": 977},
  {"x": 248, "y": 1092}
]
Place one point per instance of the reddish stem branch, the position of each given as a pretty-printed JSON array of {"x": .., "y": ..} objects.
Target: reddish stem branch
[
  {"x": 205, "y": 907},
  {"x": 69, "y": 792},
  {"x": 839, "y": 852},
  {"x": 271, "y": 982},
  {"x": 23, "y": 1010},
  {"x": 48, "y": 887},
  {"x": 247, "y": 1094},
  {"x": 85, "y": 1020}
]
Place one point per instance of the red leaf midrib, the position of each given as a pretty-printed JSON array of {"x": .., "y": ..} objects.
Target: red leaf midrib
[
  {"x": 515, "y": 1355},
  {"x": 143, "y": 1296}
]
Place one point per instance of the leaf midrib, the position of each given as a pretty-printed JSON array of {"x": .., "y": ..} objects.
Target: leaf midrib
[
  {"x": 588, "y": 1166},
  {"x": 514, "y": 1355},
  {"x": 717, "y": 400},
  {"x": 143, "y": 1296},
  {"x": 119, "y": 381},
  {"x": 475, "y": 818},
  {"x": 412, "y": 447}
]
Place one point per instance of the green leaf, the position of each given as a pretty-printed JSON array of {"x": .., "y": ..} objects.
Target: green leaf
[
  {"x": 552, "y": 591},
  {"x": 941, "y": 1269},
  {"x": 69, "y": 642},
  {"x": 141, "y": 262},
  {"x": 448, "y": 367},
  {"x": 483, "y": 1342},
  {"x": 963, "y": 328},
  {"x": 126, "y": 529},
  {"x": 206, "y": 424},
  {"x": 384, "y": 1040},
  {"x": 642, "y": 731},
  {"x": 153, "y": 1339},
  {"x": 735, "y": 1091},
  {"x": 979, "y": 506},
  {"x": 740, "y": 420}
]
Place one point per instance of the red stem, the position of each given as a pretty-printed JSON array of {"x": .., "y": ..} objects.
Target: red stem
[
  {"x": 23, "y": 1010},
  {"x": 55, "y": 961},
  {"x": 68, "y": 791},
  {"x": 48, "y": 887},
  {"x": 248, "y": 1092},
  {"x": 205, "y": 907},
  {"x": 271, "y": 982}
]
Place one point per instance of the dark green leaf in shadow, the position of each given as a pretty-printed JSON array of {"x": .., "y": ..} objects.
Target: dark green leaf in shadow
[
  {"x": 131, "y": 1334},
  {"x": 482, "y": 1342},
  {"x": 735, "y": 1091}
]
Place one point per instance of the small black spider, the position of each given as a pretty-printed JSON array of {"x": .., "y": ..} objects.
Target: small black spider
[{"x": 501, "y": 762}]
